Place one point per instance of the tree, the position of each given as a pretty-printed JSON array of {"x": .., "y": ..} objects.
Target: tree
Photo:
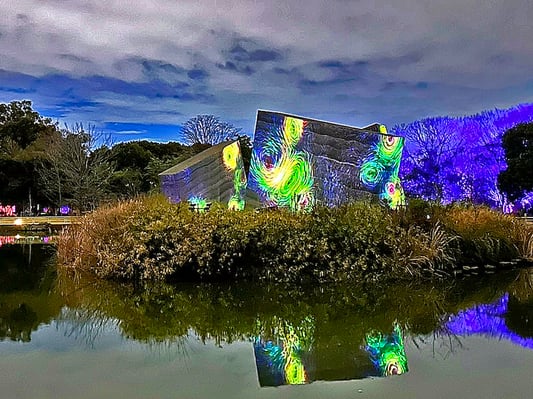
[
  {"x": 23, "y": 137},
  {"x": 207, "y": 129},
  {"x": 518, "y": 146},
  {"x": 77, "y": 169},
  {"x": 431, "y": 145},
  {"x": 20, "y": 125}
]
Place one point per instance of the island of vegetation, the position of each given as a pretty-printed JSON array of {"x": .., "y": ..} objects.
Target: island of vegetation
[{"x": 149, "y": 238}]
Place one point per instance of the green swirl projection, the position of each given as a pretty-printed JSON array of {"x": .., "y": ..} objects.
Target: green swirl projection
[
  {"x": 372, "y": 173},
  {"x": 387, "y": 352},
  {"x": 379, "y": 170},
  {"x": 283, "y": 174}
]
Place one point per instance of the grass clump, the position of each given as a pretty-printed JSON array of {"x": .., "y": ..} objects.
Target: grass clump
[{"x": 150, "y": 239}]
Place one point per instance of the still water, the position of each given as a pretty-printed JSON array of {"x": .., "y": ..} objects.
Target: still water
[{"x": 61, "y": 338}]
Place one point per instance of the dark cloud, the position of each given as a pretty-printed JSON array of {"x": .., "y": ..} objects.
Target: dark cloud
[
  {"x": 197, "y": 74},
  {"x": 322, "y": 59},
  {"x": 262, "y": 55},
  {"x": 233, "y": 67}
]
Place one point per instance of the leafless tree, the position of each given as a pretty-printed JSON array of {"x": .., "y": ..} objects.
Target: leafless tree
[
  {"x": 77, "y": 167},
  {"x": 207, "y": 129}
]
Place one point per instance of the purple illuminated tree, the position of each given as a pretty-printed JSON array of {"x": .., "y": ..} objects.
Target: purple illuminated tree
[{"x": 455, "y": 159}]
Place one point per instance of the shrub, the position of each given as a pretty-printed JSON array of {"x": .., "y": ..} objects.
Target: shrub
[{"x": 150, "y": 239}]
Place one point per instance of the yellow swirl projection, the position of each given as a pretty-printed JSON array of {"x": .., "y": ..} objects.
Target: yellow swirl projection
[
  {"x": 379, "y": 171},
  {"x": 293, "y": 130},
  {"x": 230, "y": 155},
  {"x": 232, "y": 159}
]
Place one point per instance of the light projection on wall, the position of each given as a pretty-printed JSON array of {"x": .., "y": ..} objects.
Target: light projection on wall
[
  {"x": 379, "y": 170},
  {"x": 231, "y": 156},
  {"x": 299, "y": 162},
  {"x": 216, "y": 174},
  {"x": 283, "y": 174},
  {"x": 387, "y": 352},
  {"x": 487, "y": 320}
]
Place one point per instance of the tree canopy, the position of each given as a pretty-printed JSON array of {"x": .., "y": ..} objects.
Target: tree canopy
[
  {"x": 207, "y": 129},
  {"x": 517, "y": 179}
]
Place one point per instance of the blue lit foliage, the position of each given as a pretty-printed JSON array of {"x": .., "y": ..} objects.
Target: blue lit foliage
[{"x": 453, "y": 159}]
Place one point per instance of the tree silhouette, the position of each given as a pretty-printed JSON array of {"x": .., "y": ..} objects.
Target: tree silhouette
[
  {"x": 207, "y": 129},
  {"x": 518, "y": 146}
]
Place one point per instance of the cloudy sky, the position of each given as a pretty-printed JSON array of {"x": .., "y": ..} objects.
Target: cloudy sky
[{"x": 142, "y": 68}]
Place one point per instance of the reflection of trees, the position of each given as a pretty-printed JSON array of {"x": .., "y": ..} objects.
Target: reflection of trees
[
  {"x": 492, "y": 320},
  {"x": 342, "y": 315},
  {"x": 26, "y": 296}
]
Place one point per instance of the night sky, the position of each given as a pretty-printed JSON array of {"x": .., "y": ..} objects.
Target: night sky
[{"x": 140, "y": 69}]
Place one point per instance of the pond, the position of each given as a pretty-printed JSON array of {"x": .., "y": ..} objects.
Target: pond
[{"x": 65, "y": 338}]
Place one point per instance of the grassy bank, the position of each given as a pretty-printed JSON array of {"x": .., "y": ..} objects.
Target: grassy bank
[{"x": 150, "y": 239}]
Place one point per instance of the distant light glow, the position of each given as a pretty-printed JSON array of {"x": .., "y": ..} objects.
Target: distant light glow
[
  {"x": 64, "y": 210},
  {"x": 200, "y": 204},
  {"x": 8, "y": 210}
]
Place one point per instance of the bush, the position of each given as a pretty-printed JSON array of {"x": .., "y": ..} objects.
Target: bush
[{"x": 150, "y": 239}]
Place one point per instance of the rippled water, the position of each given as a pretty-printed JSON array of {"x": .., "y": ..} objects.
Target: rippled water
[{"x": 61, "y": 338}]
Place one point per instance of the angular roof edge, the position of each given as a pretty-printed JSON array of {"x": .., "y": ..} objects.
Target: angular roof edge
[{"x": 196, "y": 158}]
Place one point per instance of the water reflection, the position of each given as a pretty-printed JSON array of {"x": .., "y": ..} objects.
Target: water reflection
[
  {"x": 289, "y": 355},
  {"x": 298, "y": 335},
  {"x": 489, "y": 320},
  {"x": 27, "y": 297}
]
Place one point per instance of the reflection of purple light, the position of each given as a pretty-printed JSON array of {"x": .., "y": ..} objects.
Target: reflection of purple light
[
  {"x": 488, "y": 320},
  {"x": 64, "y": 210},
  {"x": 46, "y": 240}
]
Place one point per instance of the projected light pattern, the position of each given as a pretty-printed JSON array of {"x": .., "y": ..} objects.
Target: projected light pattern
[
  {"x": 232, "y": 159},
  {"x": 486, "y": 320},
  {"x": 283, "y": 358},
  {"x": 455, "y": 159},
  {"x": 379, "y": 170},
  {"x": 387, "y": 352},
  {"x": 283, "y": 174},
  {"x": 199, "y": 204}
]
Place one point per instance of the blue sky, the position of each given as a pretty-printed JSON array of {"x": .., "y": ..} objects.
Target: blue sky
[{"x": 140, "y": 69}]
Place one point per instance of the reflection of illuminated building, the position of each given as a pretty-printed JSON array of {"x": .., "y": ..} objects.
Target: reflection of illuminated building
[
  {"x": 216, "y": 174},
  {"x": 281, "y": 361},
  {"x": 387, "y": 352},
  {"x": 488, "y": 320},
  {"x": 298, "y": 355}
]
